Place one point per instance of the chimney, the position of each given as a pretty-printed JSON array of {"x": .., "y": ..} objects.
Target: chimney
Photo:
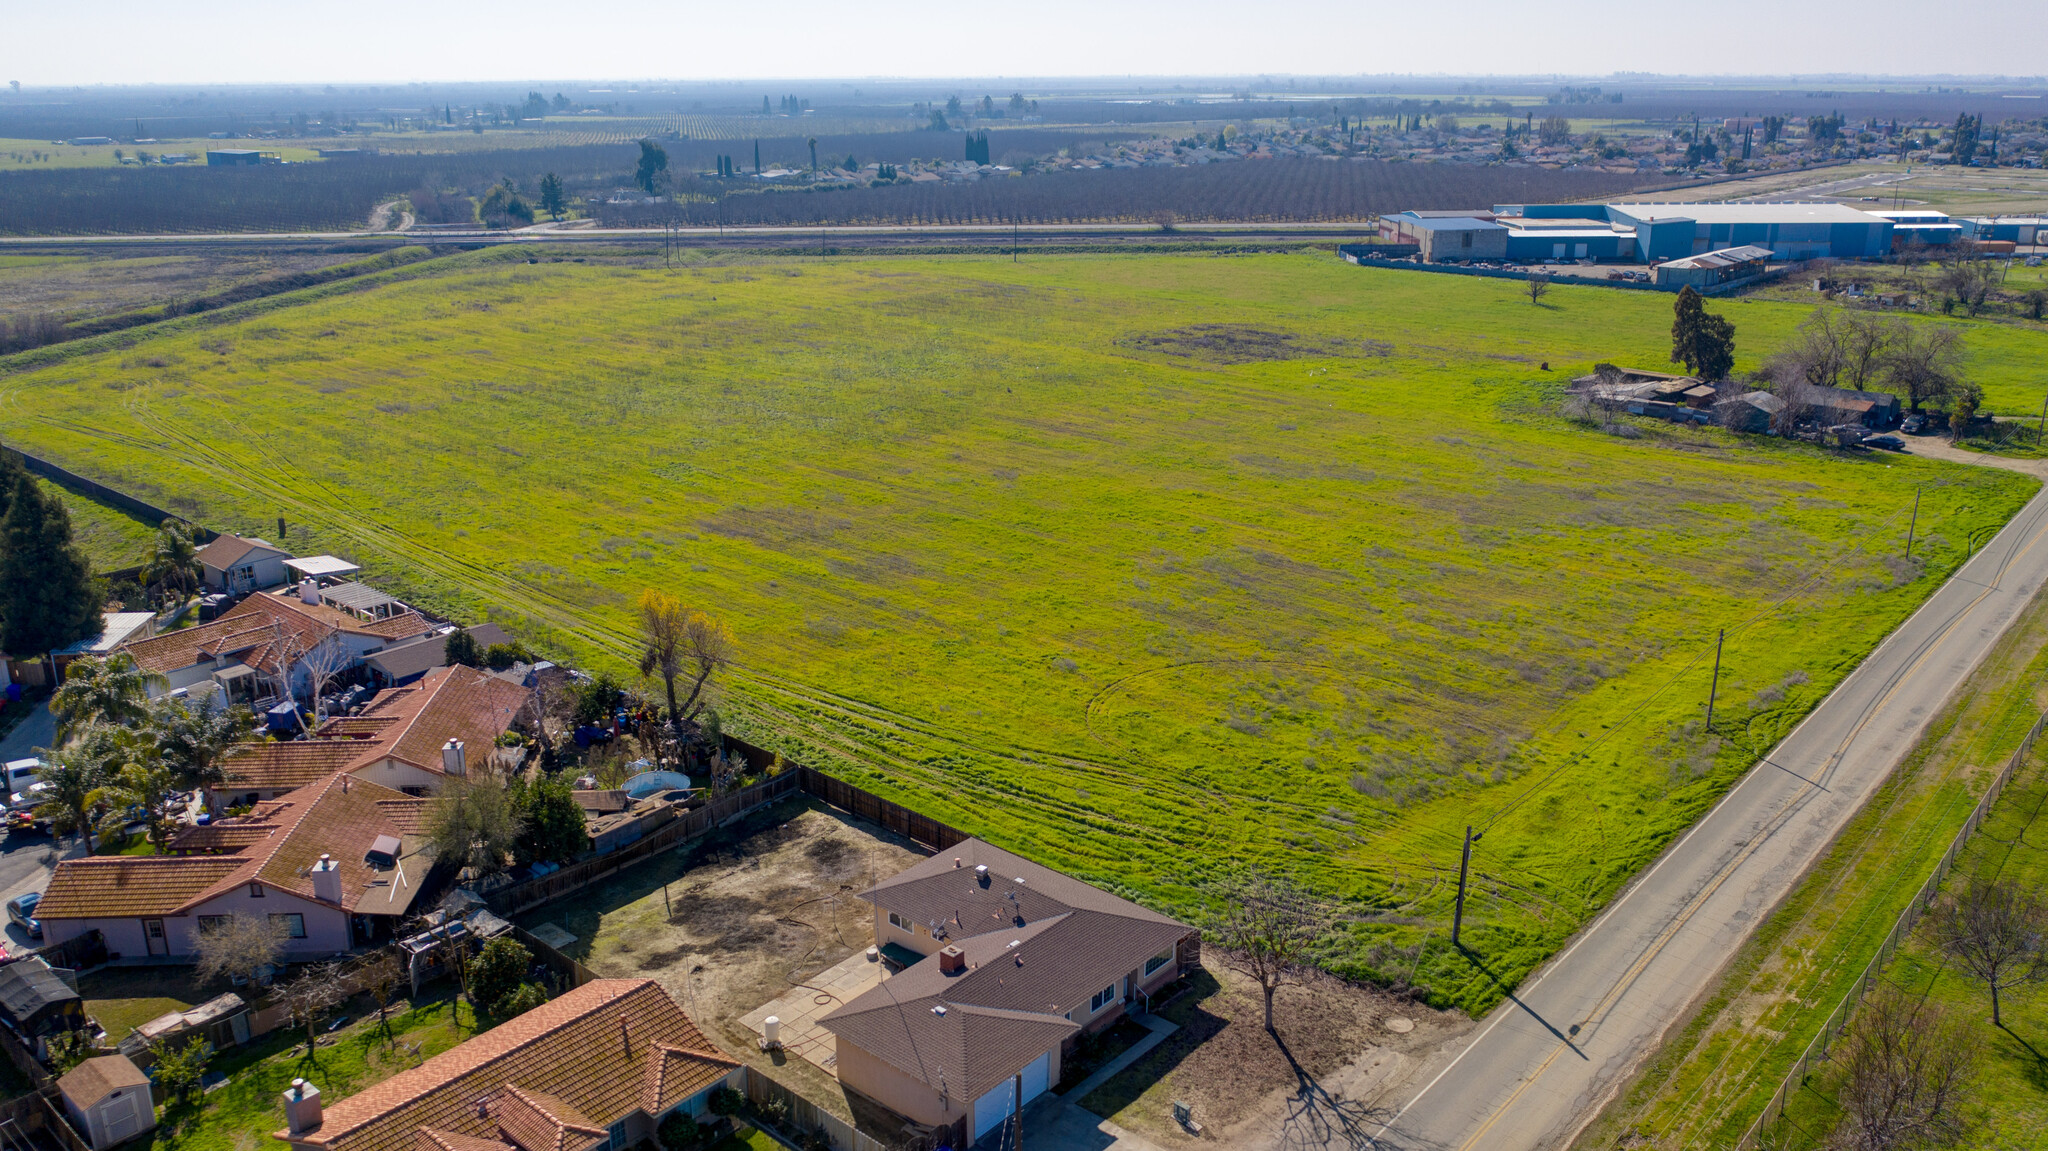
[
  {"x": 452, "y": 760},
  {"x": 952, "y": 960},
  {"x": 327, "y": 880},
  {"x": 301, "y": 1107},
  {"x": 309, "y": 590}
]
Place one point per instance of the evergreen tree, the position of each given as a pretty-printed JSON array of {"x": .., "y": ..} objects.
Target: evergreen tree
[
  {"x": 757, "y": 151},
  {"x": 461, "y": 648},
  {"x": 46, "y": 592},
  {"x": 11, "y": 473},
  {"x": 551, "y": 198},
  {"x": 1702, "y": 341},
  {"x": 653, "y": 163}
]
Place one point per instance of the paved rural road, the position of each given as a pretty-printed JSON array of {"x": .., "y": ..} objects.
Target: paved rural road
[{"x": 1541, "y": 1065}]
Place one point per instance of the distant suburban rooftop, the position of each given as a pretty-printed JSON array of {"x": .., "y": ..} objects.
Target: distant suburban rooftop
[
  {"x": 1804, "y": 212},
  {"x": 320, "y": 566}
]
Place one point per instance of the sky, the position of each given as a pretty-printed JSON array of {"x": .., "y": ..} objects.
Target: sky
[{"x": 382, "y": 41}]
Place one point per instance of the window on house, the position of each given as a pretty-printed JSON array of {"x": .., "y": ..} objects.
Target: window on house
[
  {"x": 213, "y": 922},
  {"x": 618, "y": 1134},
  {"x": 293, "y": 923},
  {"x": 1158, "y": 961},
  {"x": 898, "y": 922},
  {"x": 255, "y": 891},
  {"x": 1102, "y": 998}
]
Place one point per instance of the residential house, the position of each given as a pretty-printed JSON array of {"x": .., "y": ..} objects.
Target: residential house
[
  {"x": 1833, "y": 406},
  {"x": 108, "y": 1100},
  {"x": 1751, "y": 412},
  {"x": 1004, "y": 965},
  {"x": 596, "y": 1068},
  {"x": 402, "y": 663},
  {"x": 266, "y": 639},
  {"x": 409, "y": 739},
  {"x": 241, "y": 564},
  {"x": 335, "y": 864}
]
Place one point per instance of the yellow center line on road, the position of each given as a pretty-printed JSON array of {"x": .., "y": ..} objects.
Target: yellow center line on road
[{"x": 1692, "y": 907}]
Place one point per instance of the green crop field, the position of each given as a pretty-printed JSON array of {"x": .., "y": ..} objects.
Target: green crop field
[
  {"x": 111, "y": 539},
  {"x": 1149, "y": 567}
]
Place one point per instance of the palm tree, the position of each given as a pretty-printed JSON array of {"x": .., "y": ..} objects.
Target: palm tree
[
  {"x": 196, "y": 743},
  {"x": 175, "y": 563},
  {"x": 143, "y": 781},
  {"x": 111, "y": 690},
  {"x": 75, "y": 775},
  {"x": 814, "y": 155}
]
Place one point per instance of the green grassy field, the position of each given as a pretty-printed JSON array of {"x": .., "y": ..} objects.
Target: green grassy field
[
  {"x": 111, "y": 539},
  {"x": 1149, "y": 567}
]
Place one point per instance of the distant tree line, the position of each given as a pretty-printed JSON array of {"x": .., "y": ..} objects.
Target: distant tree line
[{"x": 1266, "y": 190}]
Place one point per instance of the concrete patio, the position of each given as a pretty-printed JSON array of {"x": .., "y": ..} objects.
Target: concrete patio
[{"x": 800, "y": 1009}]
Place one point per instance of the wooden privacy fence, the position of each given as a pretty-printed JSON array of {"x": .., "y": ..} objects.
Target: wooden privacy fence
[
  {"x": 800, "y": 1116},
  {"x": 1817, "y": 1050}
]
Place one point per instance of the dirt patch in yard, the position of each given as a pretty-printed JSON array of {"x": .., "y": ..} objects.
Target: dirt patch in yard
[
  {"x": 1247, "y": 1090},
  {"x": 737, "y": 919},
  {"x": 1244, "y": 344}
]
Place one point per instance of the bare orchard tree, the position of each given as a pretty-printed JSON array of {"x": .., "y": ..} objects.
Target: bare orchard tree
[
  {"x": 1993, "y": 930},
  {"x": 1902, "y": 1070},
  {"x": 1537, "y": 287},
  {"x": 310, "y": 996},
  {"x": 1837, "y": 349},
  {"x": 239, "y": 947},
  {"x": 1967, "y": 281},
  {"x": 1268, "y": 925}
]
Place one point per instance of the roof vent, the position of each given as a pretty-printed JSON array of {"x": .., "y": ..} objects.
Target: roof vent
[
  {"x": 952, "y": 960},
  {"x": 956, "y": 862},
  {"x": 1013, "y": 943},
  {"x": 981, "y": 874},
  {"x": 1020, "y": 881}
]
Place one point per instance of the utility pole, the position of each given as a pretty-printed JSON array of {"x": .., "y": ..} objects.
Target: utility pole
[
  {"x": 1915, "y": 522},
  {"x": 1716, "y": 687},
  {"x": 1464, "y": 869}
]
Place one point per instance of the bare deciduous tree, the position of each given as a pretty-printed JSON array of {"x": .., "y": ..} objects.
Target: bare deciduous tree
[
  {"x": 310, "y": 995},
  {"x": 239, "y": 947},
  {"x": 1902, "y": 1069},
  {"x": 1537, "y": 287},
  {"x": 1268, "y": 926},
  {"x": 380, "y": 975},
  {"x": 1993, "y": 930},
  {"x": 1924, "y": 364}
]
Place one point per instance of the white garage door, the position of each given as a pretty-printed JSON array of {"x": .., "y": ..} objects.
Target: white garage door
[{"x": 994, "y": 1107}]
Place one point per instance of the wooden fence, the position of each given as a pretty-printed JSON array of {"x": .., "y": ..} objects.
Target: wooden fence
[
  {"x": 36, "y": 1122},
  {"x": 800, "y": 1116},
  {"x": 1838, "y": 1019}
]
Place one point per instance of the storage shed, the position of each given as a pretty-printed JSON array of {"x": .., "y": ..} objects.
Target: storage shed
[
  {"x": 108, "y": 1100},
  {"x": 1712, "y": 268},
  {"x": 35, "y": 1000}
]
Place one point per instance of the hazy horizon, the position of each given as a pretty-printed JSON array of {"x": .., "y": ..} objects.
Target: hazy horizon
[{"x": 234, "y": 42}]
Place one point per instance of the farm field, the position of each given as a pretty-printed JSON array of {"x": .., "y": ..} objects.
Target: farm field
[
  {"x": 1146, "y": 566},
  {"x": 111, "y": 539}
]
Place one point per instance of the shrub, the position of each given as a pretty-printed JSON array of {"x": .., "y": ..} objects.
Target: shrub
[
  {"x": 525, "y": 999},
  {"x": 678, "y": 1132},
  {"x": 497, "y": 973}
]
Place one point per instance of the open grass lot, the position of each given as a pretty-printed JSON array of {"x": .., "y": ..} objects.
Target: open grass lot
[
  {"x": 110, "y": 538},
  {"x": 81, "y": 285},
  {"x": 1149, "y": 567}
]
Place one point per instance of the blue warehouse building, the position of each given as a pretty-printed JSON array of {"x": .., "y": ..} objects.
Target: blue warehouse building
[{"x": 1651, "y": 232}]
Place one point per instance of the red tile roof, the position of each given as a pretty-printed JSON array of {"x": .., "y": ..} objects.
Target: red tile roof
[
  {"x": 274, "y": 845},
  {"x": 430, "y": 1139},
  {"x": 538, "y": 1122},
  {"x": 450, "y": 703},
  {"x": 122, "y": 886},
  {"x": 587, "y": 1053},
  {"x": 273, "y": 765}
]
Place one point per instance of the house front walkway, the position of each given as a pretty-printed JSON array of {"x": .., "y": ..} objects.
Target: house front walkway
[
  {"x": 1160, "y": 1029},
  {"x": 799, "y": 1010}
]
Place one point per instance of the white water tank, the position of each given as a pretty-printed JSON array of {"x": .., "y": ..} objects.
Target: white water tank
[
  {"x": 309, "y": 590},
  {"x": 771, "y": 1030}
]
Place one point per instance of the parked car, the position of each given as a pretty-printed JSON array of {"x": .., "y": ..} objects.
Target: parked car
[
  {"x": 1914, "y": 425},
  {"x": 22, "y": 909},
  {"x": 1888, "y": 443}
]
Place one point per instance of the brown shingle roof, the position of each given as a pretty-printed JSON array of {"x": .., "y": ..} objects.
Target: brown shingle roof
[
  {"x": 935, "y": 892},
  {"x": 228, "y": 549},
  {"x": 95, "y": 1079},
  {"x": 110, "y": 886},
  {"x": 589, "y": 1049},
  {"x": 217, "y": 838}
]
